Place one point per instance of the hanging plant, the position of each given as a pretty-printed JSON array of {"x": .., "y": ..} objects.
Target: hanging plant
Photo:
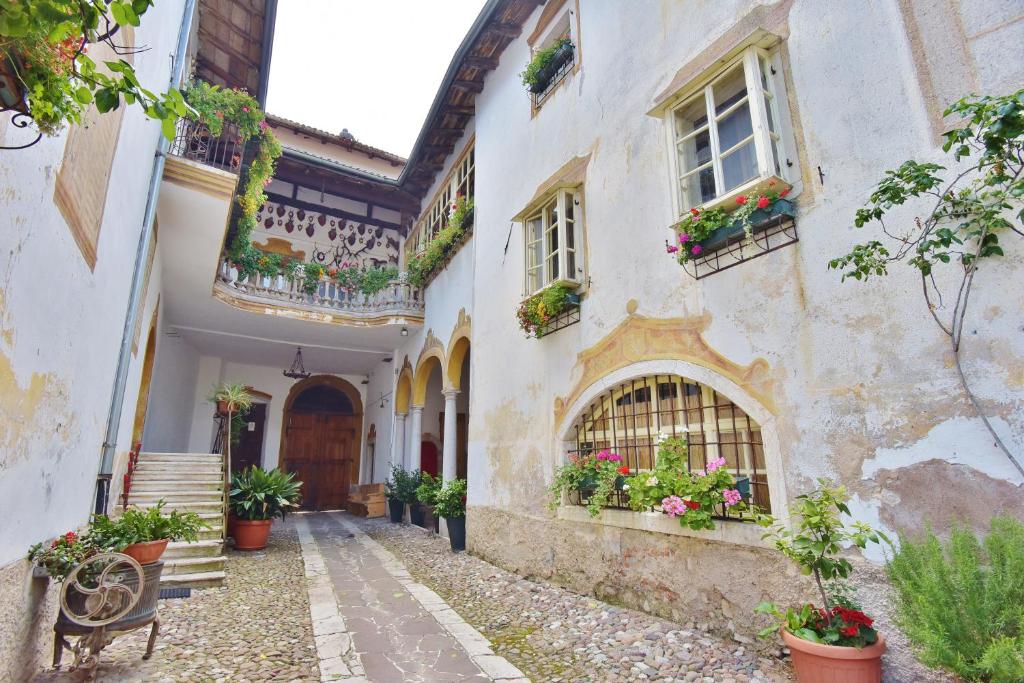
[
  {"x": 424, "y": 266},
  {"x": 538, "y": 310},
  {"x": 44, "y": 46}
]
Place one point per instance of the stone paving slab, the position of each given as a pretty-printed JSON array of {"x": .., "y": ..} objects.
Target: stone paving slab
[
  {"x": 257, "y": 627},
  {"x": 556, "y": 636},
  {"x": 400, "y": 630}
]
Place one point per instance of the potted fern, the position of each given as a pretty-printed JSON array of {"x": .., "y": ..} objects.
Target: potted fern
[{"x": 836, "y": 642}]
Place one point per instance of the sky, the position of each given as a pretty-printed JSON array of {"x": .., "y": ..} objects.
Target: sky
[{"x": 371, "y": 66}]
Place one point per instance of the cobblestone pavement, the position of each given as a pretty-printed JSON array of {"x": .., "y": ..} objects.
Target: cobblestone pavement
[
  {"x": 255, "y": 628},
  {"x": 555, "y": 635}
]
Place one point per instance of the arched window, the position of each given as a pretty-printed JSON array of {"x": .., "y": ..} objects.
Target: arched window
[{"x": 628, "y": 418}]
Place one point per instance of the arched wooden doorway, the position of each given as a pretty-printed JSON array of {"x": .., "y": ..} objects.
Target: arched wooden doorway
[{"x": 323, "y": 418}]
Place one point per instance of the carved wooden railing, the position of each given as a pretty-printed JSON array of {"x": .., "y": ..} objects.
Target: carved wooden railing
[{"x": 397, "y": 299}]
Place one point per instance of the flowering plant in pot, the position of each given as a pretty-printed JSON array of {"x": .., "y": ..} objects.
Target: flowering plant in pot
[
  {"x": 535, "y": 312},
  {"x": 696, "y": 231},
  {"x": 257, "y": 497},
  {"x": 545, "y": 64},
  {"x": 64, "y": 553},
  {"x": 426, "y": 494},
  {"x": 595, "y": 475},
  {"x": 400, "y": 489},
  {"x": 694, "y": 496},
  {"x": 835, "y": 642},
  {"x": 450, "y": 503},
  {"x": 143, "y": 534}
]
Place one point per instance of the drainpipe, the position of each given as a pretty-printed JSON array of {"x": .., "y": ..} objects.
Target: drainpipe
[{"x": 138, "y": 278}]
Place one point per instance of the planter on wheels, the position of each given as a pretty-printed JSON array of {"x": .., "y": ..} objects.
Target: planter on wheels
[
  {"x": 396, "y": 509},
  {"x": 146, "y": 553},
  {"x": 817, "y": 663},
  {"x": 456, "y": 532},
  {"x": 417, "y": 515},
  {"x": 252, "y": 534}
]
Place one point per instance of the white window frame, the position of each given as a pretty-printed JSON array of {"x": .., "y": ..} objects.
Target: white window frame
[
  {"x": 436, "y": 216},
  {"x": 560, "y": 197},
  {"x": 783, "y": 172}
]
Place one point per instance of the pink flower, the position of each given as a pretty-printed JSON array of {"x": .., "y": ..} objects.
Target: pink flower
[
  {"x": 741, "y": 200},
  {"x": 696, "y": 249},
  {"x": 732, "y": 497},
  {"x": 673, "y": 506},
  {"x": 784, "y": 192},
  {"x": 762, "y": 202},
  {"x": 264, "y": 125},
  {"x": 603, "y": 455},
  {"x": 695, "y": 218},
  {"x": 671, "y": 248},
  {"x": 715, "y": 464},
  {"x": 245, "y": 109},
  {"x": 684, "y": 237}
]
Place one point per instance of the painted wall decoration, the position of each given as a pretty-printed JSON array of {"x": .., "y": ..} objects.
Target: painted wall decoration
[{"x": 330, "y": 239}]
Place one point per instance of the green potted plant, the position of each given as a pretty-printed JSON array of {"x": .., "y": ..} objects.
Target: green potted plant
[
  {"x": 593, "y": 475},
  {"x": 257, "y": 497},
  {"x": 231, "y": 398},
  {"x": 545, "y": 64},
  {"x": 143, "y": 534},
  {"x": 400, "y": 490},
  {"x": 64, "y": 553},
  {"x": 450, "y": 503},
  {"x": 836, "y": 642},
  {"x": 426, "y": 494}
]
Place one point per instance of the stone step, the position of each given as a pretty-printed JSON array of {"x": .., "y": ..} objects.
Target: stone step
[
  {"x": 176, "y": 494},
  {"x": 195, "y": 580},
  {"x": 193, "y": 565},
  {"x": 178, "y": 477},
  {"x": 199, "y": 506},
  {"x": 144, "y": 487},
  {"x": 201, "y": 548},
  {"x": 149, "y": 455}
]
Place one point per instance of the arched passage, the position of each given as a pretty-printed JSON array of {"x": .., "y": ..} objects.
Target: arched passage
[
  {"x": 428, "y": 402},
  {"x": 320, "y": 439}
]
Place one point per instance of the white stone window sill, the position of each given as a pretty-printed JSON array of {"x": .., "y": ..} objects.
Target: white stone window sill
[
  {"x": 737, "y": 533},
  {"x": 727, "y": 202}
]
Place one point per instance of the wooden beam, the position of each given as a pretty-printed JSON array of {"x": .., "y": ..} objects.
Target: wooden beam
[
  {"x": 331, "y": 211},
  {"x": 468, "y": 86},
  {"x": 458, "y": 109},
  {"x": 446, "y": 149},
  {"x": 391, "y": 198},
  {"x": 480, "y": 62},
  {"x": 504, "y": 30}
]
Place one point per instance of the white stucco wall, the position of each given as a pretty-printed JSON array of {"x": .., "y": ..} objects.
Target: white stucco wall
[{"x": 175, "y": 369}]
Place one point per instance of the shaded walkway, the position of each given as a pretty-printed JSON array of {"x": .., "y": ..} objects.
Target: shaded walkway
[{"x": 373, "y": 622}]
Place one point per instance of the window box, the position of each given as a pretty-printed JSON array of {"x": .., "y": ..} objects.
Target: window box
[
  {"x": 563, "y": 55},
  {"x": 760, "y": 219}
]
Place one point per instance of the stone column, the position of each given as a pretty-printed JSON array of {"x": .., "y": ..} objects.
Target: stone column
[
  {"x": 449, "y": 468},
  {"x": 398, "y": 443},
  {"x": 417, "y": 438}
]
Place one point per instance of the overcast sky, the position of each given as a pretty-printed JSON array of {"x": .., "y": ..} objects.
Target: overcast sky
[{"x": 372, "y": 66}]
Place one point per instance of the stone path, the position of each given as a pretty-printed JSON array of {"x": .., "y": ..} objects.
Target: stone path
[
  {"x": 388, "y": 626},
  {"x": 255, "y": 628},
  {"x": 554, "y": 635}
]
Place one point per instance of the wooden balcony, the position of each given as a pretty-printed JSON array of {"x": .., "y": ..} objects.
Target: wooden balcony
[{"x": 399, "y": 303}]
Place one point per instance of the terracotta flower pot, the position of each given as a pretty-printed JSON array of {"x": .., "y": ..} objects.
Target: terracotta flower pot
[
  {"x": 252, "y": 534},
  {"x": 222, "y": 407},
  {"x": 146, "y": 553},
  {"x": 816, "y": 663}
]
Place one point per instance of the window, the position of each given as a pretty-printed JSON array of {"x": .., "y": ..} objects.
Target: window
[
  {"x": 460, "y": 183},
  {"x": 557, "y": 22},
  {"x": 629, "y": 418},
  {"x": 726, "y": 136},
  {"x": 553, "y": 240}
]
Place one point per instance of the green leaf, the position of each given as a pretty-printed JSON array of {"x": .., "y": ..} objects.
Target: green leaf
[
  {"x": 169, "y": 128},
  {"x": 83, "y": 95},
  {"x": 807, "y": 634}
]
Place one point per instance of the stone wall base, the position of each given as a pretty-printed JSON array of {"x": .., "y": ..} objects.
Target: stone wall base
[{"x": 29, "y": 609}]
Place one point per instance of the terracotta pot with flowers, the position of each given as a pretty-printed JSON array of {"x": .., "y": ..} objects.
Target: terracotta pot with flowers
[
  {"x": 143, "y": 534},
  {"x": 836, "y": 642}
]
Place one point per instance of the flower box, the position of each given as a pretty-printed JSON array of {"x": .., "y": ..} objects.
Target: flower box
[
  {"x": 743, "y": 486},
  {"x": 759, "y": 220},
  {"x": 589, "y": 484},
  {"x": 562, "y": 56}
]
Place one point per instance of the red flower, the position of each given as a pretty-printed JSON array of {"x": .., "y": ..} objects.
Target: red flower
[
  {"x": 762, "y": 202},
  {"x": 741, "y": 200},
  {"x": 692, "y": 504},
  {"x": 784, "y": 192},
  {"x": 624, "y": 469},
  {"x": 695, "y": 212},
  {"x": 71, "y": 537},
  {"x": 850, "y": 630}
]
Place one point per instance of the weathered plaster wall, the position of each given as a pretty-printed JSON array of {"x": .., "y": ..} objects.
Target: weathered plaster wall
[
  {"x": 855, "y": 379},
  {"x": 175, "y": 370},
  {"x": 26, "y": 622},
  {"x": 382, "y": 381},
  {"x": 60, "y": 330}
]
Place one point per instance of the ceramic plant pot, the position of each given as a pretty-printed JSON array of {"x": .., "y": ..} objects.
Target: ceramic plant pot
[
  {"x": 146, "y": 553},
  {"x": 456, "y": 532},
  {"x": 816, "y": 663},
  {"x": 252, "y": 534}
]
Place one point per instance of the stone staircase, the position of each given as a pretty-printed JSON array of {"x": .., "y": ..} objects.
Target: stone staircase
[
  {"x": 186, "y": 482},
  {"x": 367, "y": 500}
]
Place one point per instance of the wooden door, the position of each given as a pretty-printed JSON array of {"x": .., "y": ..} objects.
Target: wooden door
[
  {"x": 303, "y": 453},
  {"x": 248, "y": 451},
  {"x": 337, "y": 461}
]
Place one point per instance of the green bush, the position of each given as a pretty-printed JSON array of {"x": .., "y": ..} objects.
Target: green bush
[
  {"x": 402, "y": 485},
  {"x": 962, "y": 602},
  {"x": 428, "y": 489},
  {"x": 258, "y": 494},
  {"x": 451, "y": 500}
]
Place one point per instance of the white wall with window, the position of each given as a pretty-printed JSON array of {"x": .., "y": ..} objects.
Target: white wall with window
[
  {"x": 460, "y": 182},
  {"x": 553, "y": 237},
  {"x": 729, "y": 132}
]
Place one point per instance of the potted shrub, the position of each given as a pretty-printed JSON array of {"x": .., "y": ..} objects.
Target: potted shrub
[
  {"x": 450, "y": 503},
  {"x": 545, "y": 64},
  {"x": 257, "y": 497},
  {"x": 143, "y": 534},
  {"x": 426, "y": 494},
  {"x": 834, "y": 643},
  {"x": 400, "y": 490},
  {"x": 694, "y": 496}
]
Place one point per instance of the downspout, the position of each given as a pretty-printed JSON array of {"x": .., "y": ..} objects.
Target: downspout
[{"x": 138, "y": 279}]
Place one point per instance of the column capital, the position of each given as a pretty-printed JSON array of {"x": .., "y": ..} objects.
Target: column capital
[
  {"x": 450, "y": 394},
  {"x": 400, "y": 415},
  {"x": 415, "y": 410}
]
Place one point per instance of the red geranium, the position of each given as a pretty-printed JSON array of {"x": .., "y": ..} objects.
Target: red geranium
[
  {"x": 624, "y": 469},
  {"x": 692, "y": 504},
  {"x": 741, "y": 200},
  {"x": 762, "y": 202}
]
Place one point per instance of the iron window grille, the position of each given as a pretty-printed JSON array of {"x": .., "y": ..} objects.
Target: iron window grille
[
  {"x": 538, "y": 99},
  {"x": 778, "y": 233},
  {"x": 194, "y": 141},
  {"x": 629, "y": 418}
]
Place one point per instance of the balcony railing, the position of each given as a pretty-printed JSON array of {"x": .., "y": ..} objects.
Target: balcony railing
[
  {"x": 398, "y": 299},
  {"x": 194, "y": 141}
]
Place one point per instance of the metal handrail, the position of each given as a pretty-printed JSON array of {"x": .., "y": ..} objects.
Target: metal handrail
[{"x": 194, "y": 141}]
